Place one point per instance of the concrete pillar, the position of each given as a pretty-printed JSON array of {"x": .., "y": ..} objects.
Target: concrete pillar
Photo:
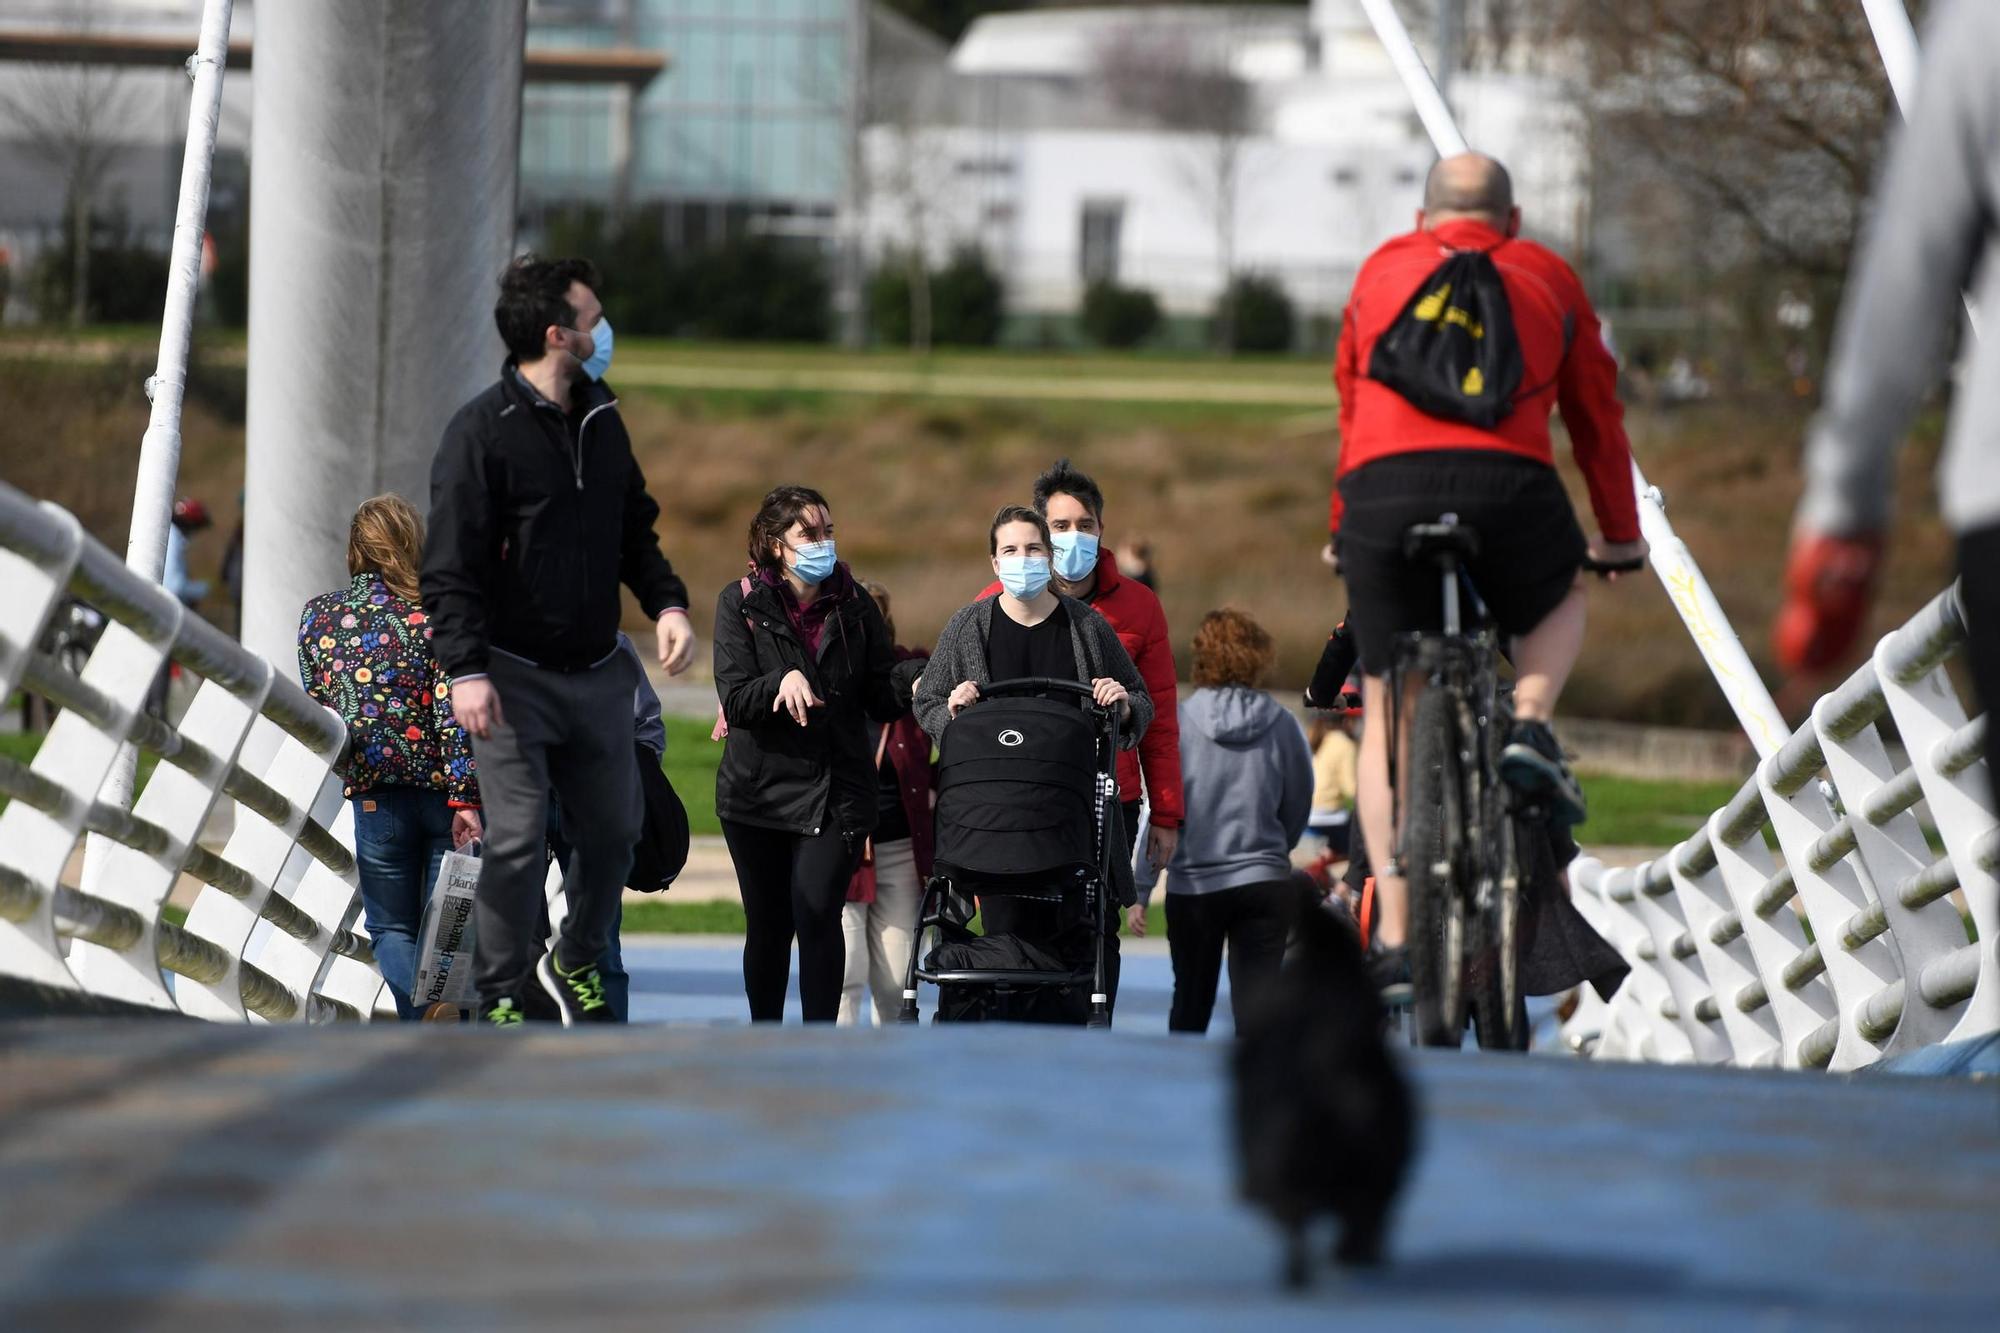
[{"x": 385, "y": 149}]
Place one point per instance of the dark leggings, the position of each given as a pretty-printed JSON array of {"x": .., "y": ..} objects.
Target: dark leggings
[
  {"x": 792, "y": 884},
  {"x": 1252, "y": 919}
]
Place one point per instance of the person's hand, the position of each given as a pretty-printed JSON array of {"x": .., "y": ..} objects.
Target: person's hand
[
  {"x": 720, "y": 731},
  {"x": 475, "y": 704},
  {"x": 675, "y": 633},
  {"x": 1617, "y": 553},
  {"x": 962, "y": 698},
  {"x": 916, "y": 685},
  {"x": 1109, "y": 693},
  {"x": 1160, "y": 844},
  {"x": 795, "y": 696},
  {"x": 1828, "y": 584},
  {"x": 1330, "y": 557},
  {"x": 1135, "y": 918},
  {"x": 465, "y": 827}
]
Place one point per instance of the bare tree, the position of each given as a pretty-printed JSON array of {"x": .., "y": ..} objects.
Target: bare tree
[
  {"x": 1768, "y": 114},
  {"x": 913, "y": 171},
  {"x": 68, "y": 114},
  {"x": 1180, "y": 75}
]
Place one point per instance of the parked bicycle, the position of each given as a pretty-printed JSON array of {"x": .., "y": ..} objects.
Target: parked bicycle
[{"x": 1458, "y": 835}]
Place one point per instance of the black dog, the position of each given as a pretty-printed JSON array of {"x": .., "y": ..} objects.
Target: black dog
[{"x": 1325, "y": 1121}]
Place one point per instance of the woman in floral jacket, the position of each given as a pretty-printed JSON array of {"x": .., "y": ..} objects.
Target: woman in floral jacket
[{"x": 365, "y": 652}]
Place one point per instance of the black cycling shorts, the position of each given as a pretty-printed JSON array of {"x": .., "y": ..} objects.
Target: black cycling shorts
[{"x": 1530, "y": 546}]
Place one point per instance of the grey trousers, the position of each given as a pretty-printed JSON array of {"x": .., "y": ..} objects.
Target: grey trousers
[{"x": 571, "y": 733}]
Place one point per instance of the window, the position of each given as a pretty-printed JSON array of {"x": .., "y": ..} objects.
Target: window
[{"x": 1097, "y": 250}]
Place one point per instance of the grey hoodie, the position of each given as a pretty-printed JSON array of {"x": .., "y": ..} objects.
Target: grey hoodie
[
  {"x": 1935, "y": 232},
  {"x": 1247, "y": 776}
]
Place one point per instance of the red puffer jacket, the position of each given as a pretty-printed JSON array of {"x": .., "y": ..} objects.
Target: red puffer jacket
[{"x": 1141, "y": 625}]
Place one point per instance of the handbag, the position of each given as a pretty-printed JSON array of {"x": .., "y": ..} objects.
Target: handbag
[{"x": 662, "y": 850}]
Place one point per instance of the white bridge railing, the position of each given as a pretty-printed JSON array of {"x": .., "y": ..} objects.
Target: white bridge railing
[
  {"x": 1846, "y": 943},
  {"x": 272, "y": 934}
]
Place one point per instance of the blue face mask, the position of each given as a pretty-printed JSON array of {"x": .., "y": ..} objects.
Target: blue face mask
[
  {"x": 1076, "y": 555},
  {"x": 1023, "y": 576},
  {"x": 600, "y": 360},
  {"x": 813, "y": 561}
]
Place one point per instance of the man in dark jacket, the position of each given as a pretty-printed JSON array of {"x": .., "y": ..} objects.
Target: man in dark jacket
[{"x": 538, "y": 513}]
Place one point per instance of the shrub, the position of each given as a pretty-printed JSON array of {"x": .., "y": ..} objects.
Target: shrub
[
  {"x": 1117, "y": 316},
  {"x": 761, "y": 288},
  {"x": 127, "y": 281},
  {"x": 967, "y": 302},
  {"x": 1260, "y": 318}
]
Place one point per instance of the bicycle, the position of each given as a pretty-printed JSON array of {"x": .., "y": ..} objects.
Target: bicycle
[{"x": 1457, "y": 838}]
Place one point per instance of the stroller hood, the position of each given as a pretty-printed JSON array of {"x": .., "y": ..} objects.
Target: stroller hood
[{"x": 1016, "y": 788}]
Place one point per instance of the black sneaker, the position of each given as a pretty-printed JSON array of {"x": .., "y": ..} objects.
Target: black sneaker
[
  {"x": 1389, "y": 969},
  {"x": 578, "y": 995},
  {"x": 1533, "y": 765}
]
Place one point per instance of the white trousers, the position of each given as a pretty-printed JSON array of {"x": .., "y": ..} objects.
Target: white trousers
[{"x": 879, "y": 936}]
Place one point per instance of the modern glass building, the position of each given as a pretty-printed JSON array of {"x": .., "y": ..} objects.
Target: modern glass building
[{"x": 750, "y": 119}]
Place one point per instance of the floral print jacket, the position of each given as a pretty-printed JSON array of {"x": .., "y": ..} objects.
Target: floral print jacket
[{"x": 366, "y": 653}]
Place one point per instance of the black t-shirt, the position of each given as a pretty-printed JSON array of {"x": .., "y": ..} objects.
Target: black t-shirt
[{"x": 1015, "y": 650}]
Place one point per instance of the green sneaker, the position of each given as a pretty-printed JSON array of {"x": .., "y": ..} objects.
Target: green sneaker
[
  {"x": 579, "y": 995},
  {"x": 501, "y": 1013}
]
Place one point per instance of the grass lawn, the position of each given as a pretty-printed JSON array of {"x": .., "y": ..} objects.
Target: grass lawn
[
  {"x": 1636, "y": 812},
  {"x": 690, "y": 765}
]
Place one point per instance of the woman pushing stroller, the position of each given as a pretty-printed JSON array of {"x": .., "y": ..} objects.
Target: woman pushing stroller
[{"x": 1030, "y": 631}]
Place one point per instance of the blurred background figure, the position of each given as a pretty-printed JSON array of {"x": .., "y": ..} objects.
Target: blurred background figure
[
  {"x": 1335, "y": 755},
  {"x": 190, "y": 517},
  {"x": 1935, "y": 230},
  {"x": 231, "y": 573},
  {"x": 879, "y": 922},
  {"x": 1135, "y": 561}
]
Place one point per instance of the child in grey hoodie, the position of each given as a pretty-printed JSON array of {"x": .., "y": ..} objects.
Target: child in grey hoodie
[{"x": 1246, "y": 773}]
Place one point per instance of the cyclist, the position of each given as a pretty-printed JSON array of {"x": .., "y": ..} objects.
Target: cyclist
[{"x": 1400, "y": 466}]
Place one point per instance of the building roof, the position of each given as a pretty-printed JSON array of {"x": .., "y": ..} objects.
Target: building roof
[{"x": 1261, "y": 41}]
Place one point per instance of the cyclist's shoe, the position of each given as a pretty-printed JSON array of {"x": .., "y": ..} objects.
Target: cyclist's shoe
[
  {"x": 1533, "y": 765},
  {"x": 1389, "y": 969},
  {"x": 578, "y": 995}
]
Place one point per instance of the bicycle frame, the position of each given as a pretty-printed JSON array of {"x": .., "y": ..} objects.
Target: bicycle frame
[{"x": 1476, "y": 864}]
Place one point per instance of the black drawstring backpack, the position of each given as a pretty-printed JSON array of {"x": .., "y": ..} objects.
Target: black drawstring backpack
[{"x": 1452, "y": 352}]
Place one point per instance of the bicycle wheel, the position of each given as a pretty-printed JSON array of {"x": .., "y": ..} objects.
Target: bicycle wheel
[
  {"x": 1433, "y": 853},
  {"x": 1499, "y": 1014}
]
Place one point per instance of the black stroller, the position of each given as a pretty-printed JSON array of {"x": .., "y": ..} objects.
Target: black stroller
[{"x": 1024, "y": 786}]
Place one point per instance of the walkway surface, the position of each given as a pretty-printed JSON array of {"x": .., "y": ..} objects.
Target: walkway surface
[{"x": 177, "y": 1175}]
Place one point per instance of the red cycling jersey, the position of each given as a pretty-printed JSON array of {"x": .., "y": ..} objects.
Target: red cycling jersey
[{"x": 1565, "y": 367}]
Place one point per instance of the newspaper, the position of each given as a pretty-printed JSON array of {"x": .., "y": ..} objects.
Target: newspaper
[{"x": 444, "y": 948}]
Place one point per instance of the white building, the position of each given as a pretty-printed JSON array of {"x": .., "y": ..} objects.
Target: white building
[{"x": 1032, "y": 142}]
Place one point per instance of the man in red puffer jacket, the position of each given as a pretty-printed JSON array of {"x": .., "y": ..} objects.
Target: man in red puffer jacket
[{"x": 1074, "y": 507}]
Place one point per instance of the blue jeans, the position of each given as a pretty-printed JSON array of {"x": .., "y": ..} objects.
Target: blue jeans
[
  {"x": 400, "y": 836},
  {"x": 611, "y": 963}
]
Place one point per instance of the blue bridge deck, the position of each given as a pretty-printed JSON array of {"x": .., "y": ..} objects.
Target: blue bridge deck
[{"x": 180, "y": 1175}]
